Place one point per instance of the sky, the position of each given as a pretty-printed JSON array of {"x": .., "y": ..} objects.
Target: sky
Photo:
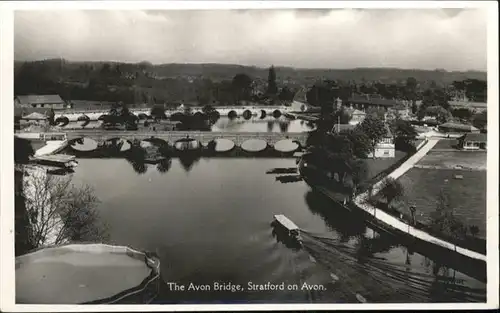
[{"x": 450, "y": 39}]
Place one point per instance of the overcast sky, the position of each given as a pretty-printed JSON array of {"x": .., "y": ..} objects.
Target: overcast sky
[{"x": 424, "y": 39}]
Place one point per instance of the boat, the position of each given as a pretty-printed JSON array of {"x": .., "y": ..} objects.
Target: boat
[
  {"x": 287, "y": 224},
  {"x": 56, "y": 162}
]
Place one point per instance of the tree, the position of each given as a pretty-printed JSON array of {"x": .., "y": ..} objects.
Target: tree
[
  {"x": 342, "y": 116},
  {"x": 434, "y": 97},
  {"x": 272, "y": 89},
  {"x": 60, "y": 212},
  {"x": 480, "y": 120},
  {"x": 51, "y": 117},
  {"x": 359, "y": 172},
  {"x": 441, "y": 114},
  {"x": 375, "y": 130},
  {"x": 391, "y": 190},
  {"x": 414, "y": 107},
  {"x": 22, "y": 152},
  {"x": 323, "y": 94},
  {"x": 242, "y": 85},
  {"x": 286, "y": 94},
  {"x": 474, "y": 230},
  {"x": 361, "y": 144},
  {"x": 207, "y": 109},
  {"x": 120, "y": 114},
  {"x": 462, "y": 113},
  {"x": 376, "y": 112},
  {"x": 443, "y": 219},
  {"x": 404, "y": 132},
  {"x": 158, "y": 112}
]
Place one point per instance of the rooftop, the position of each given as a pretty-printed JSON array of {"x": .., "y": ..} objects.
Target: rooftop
[
  {"x": 39, "y": 99},
  {"x": 458, "y": 126},
  {"x": 475, "y": 137},
  {"x": 19, "y": 112},
  {"x": 35, "y": 116},
  {"x": 372, "y": 100},
  {"x": 56, "y": 157},
  {"x": 340, "y": 128},
  {"x": 468, "y": 104}
]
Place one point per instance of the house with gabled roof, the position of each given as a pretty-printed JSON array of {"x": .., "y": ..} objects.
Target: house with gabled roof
[
  {"x": 365, "y": 101},
  {"x": 40, "y": 101},
  {"x": 473, "y": 141},
  {"x": 385, "y": 148}
]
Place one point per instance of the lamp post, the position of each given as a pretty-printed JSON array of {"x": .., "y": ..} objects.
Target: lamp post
[{"x": 413, "y": 209}]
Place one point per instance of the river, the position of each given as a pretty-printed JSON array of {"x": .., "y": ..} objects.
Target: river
[{"x": 209, "y": 220}]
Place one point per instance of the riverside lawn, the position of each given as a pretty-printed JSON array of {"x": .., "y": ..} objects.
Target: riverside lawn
[{"x": 222, "y": 286}]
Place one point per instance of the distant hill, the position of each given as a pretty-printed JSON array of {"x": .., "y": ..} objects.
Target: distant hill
[
  {"x": 300, "y": 76},
  {"x": 144, "y": 82}
]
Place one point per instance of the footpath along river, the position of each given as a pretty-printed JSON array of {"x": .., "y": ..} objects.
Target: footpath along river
[{"x": 209, "y": 221}]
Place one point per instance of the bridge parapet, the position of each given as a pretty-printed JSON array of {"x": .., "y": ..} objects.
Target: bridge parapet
[{"x": 204, "y": 137}]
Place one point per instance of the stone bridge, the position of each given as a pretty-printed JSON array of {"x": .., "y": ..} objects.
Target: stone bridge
[
  {"x": 171, "y": 137},
  {"x": 93, "y": 115}
]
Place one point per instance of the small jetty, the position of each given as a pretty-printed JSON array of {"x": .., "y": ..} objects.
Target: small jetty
[{"x": 55, "y": 162}]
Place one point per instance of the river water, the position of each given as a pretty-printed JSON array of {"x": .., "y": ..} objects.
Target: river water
[{"x": 209, "y": 220}]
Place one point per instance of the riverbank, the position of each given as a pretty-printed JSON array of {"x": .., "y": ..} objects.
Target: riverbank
[
  {"x": 395, "y": 226},
  {"x": 362, "y": 202}
]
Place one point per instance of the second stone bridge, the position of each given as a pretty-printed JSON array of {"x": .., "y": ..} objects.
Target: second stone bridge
[{"x": 173, "y": 136}]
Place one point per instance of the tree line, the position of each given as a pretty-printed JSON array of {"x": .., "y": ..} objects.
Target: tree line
[{"x": 140, "y": 83}]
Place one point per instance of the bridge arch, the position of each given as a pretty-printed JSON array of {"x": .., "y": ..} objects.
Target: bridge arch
[
  {"x": 232, "y": 114},
  {"x": 276, "y": 113},
  {"x": 286, "y": 145},
  {"x": 247, "y": 114},
  {"x": 187, "y": 144},
  {"x": 61, "y": 121},
  {"x": 263, "y": 114},
  {"x": 221, "y": 145},
  {"x": 177, "y": 116},
  {"x": 83, "y": 120},
  {"x": 122, "y": 143},
  {"x": 142, "y": 116},
  {"x": 83, "y": 144},
  {"x": 254, "y": 145}
]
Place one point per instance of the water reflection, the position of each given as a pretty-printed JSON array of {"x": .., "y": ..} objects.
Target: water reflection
[
  {"x": 336, "y": 217},
  {"x": 270, "y": 125},
  {"x": 188, "y": 159},
  {"x": 164, "y": 165},
  {"x": 386, "y": 264}
]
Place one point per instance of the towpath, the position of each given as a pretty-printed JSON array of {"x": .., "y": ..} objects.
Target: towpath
[{"x": 361, "y": 202}]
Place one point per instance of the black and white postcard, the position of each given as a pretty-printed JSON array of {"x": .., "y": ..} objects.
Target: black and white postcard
[{"x": 240, "y": 155}]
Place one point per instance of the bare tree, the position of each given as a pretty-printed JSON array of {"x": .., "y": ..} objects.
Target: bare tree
[{"x": 60, "y": 212}]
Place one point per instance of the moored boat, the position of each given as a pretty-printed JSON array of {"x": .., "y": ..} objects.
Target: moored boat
[
  {"x": 55, "y": 162},
  {"x": 288, "y": 225}
]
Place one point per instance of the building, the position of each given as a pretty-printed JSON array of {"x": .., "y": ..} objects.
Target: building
[
  {"x": 475, "y": 107},
  {"x": 40, "y": 101},
  {"x": 364, "y": 102},
  {"x": 384, "y": 149},
  {"x": 90, "y": 105},
  {"x": 400, "y": 110},
  {"x": 342, "y": 128},
  {"x": 473, "y": 141},
  {"x": 24, "y": 117},
  {"x": 357, "y": 116},
  {"x": 451, "y": 127}
]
